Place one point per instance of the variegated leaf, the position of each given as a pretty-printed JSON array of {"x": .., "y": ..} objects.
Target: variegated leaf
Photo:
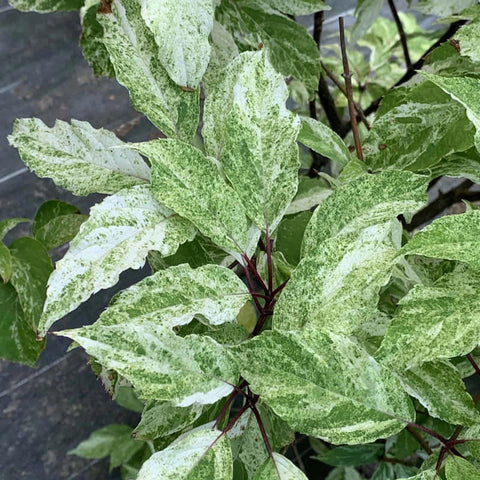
[
  {"x": 161, "y": 365},
  {"x": 136, "y": 60},
  {"x": 10, "y": 223},
  {"x": 174, "y": 296},
  {"x": 203, "y": 454},
  {"x": 192, "y": 185},
  {"x": 311, "y": 192},
  {"x": 426, "y": 475},
  {"x": 279, "y": 468},
  {"x": 181, "y": 29},
  {"x": 441, "y": 8},
  {"x": 117, "y": 236},
  {"x": 44, "y": 6},
  {"x": 5, "y": 263},
  {"x": 457, "y": 468},
  {"x": 324, "y": 385},
  {"x": 366, "y": 12},
  {"x": 297, "y": 7},
  {"x": 78, "y": 157},
  {"x": 250, "y": 130}
]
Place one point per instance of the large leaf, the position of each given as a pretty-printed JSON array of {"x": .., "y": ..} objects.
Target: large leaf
[
  {"x": 117, "y": 236},
  {"x": 191, "y": 185},
  {"x": 290, "y": 48},
  {"x": 324, "y": 385},
  {"x": 457, "y": 468},
  {"x": 434, "y": 322},
  {"x": 201, "y": 455},
  {"x": 366, "y": 12},
  {"x": 298, "y": 7},
  {"x": 46, "y": 5},
  {"x": 78, "y": 157},
  {"x": 181, "y": 29},
  {"x": 279, "y": 468},
  {"x": 250, "y": 130},
  {"x": 174, "y": 296},
  {"x": 136, "y": 60}
]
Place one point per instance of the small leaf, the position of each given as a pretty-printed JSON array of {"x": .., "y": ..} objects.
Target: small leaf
[
  {"x": 385, "y": 471},
  {"x": 10, "y": 223},
  {"x": 289, "y": 236},
  {"x": 279, "y": 468},
  {"x": 343, "y": 473},
  {"x": 44, "y": 6},
  {"x": 352, "y": 455},
  {"x": 78, "y": 157},
  {"x": 466, "y": 38},
  {"x": 311, "y": 192},
  {"x": 366, "y": 12},
  {"x": 5, "y": 263},
  {"x": 426, "y": 475},
  {"x": 442, "y": 8}
]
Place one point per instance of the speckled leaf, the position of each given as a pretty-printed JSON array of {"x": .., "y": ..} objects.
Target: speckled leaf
[
  {"x": 428, "y": 384},
  {"x": 453, "y": 237},
  {"x": 44, "y": 6},
  {"x": 467, "y": 37},
  {"x": 255, "y": 137},
  {"x": 290, "y": 48},
  {"x": 280, "y": 468},
  {"x": 136, "y": 60},
  {"x": 174, "y": 296},
  {"x": 181, "y": 29},
  {"x": 324, "y": 385},
  {"x": 426, "y": 475},
  {"x": 457, "y": 468},
  {"x": 117, "y": 236},
  {"x": 5, "y": 263},
  {"x": 192, "y": 185},
  {"x": 199, "y": 455},
  {"x": 78, "y": 157},
  {"x": 434, "y": 322},
  {"x": 323, "y": 140},
  {"x": 366, "y": 12},
  {"x": 161, "y": 365},
  {"x": 441, "y": 8},
  {"x": 466, "y": 91},
  {"x": 10, "y": 223}
]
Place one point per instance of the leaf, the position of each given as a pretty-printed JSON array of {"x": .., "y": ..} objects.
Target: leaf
[
  {"x": 311, "y": 192},
  {"x": 298, "y": 7},
  {"x": 291, "y": 49},
  {"x": 136, "y": 60},
  {"x": 5, "y": 263},
  {"x": 118, "y": 235},
  {"x": 453, "y": 237},
  {"x": 324, "y": 385},
  {"x": 352, "y": 455},
  {"x": 201, "y": 455},
  {"x": 191, "y": 184},
  {"x": 366, "y": 12},
  {"x": 77, "y": 157},
  {"x": 441, "y": 8},
  {"x": 457, "y": 468},
  {"x": 323, "y": 140},
  {"x": 434, "y": 322},
  {"x": 175, "y": 296},
  {"x": 113, "y": 440},
  {"x": 10, "y": 223},
  {"x": 280, "y": 468},
  {"x": 31, "y": 268},
  {"x": 250, "y": 130},
  {"x": 161, "y": 365},
  {"x": 44, "y": 6},
  {"x": 181, "y": 30},
  {"x": 385, "y": 471},
  {"x": 466, "y": 36},
  {"x": 56, "y": 223},
  {"x": 343, "y": 473},
  {"x": 425, "y": 475},
  {"x": 428, "y": 384},
  {"x": 289, "y": 235}
]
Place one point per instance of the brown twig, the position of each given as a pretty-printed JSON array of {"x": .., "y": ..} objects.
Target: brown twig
[
  {"x": 348, "y": 84},
  {"x": 401, "y": 32},
  {"x": 419, "y": 439}
]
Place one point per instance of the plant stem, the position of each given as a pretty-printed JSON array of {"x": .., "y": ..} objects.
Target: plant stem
[
  {"x": 419, "y": 439},
  {"x": 433, "y": 434},
  {"x": 474, "y": 364},
  {"x": 259, "y": 279},
  {"x": 269, "y": 260},
  {"x": 348, "y": 84},
  {"x": 401, "y": 32},
  {"x": 251, "y": 289},
  {"x": 229, "y": 401},
  {"x": 263, "y": 432}
]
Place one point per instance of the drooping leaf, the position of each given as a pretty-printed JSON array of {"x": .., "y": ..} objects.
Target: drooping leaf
[
  {"x": 434, "y": 322},
  {"x": 352, "y": 455},
  {"x": 457, "y": 468},
  {"x": 191, "y": 185},
  {"x": 10, "y": 223},
  {"x": 279, "y": 468},
  {"x": 45, "y": 6},
  {"x": 78, "y": 157},
  {"x": 136, "y": 60},
  {"x": 181, "y": 30},
  {"x": 161, "y": 365},
  {"x": 117, "y": 236},
  {"x": 199, "y": 455},
  {"x": 323, "y": 140},
  {"x": 324, "y": 385},
  {"x": 298, "y": 7},
  {"x": 5, "y": 263},
  {"x": 174, "y": 296},
  {"x": 311, "y": 192},
  {"x": 250, "y": 130},
  {"x": 366, "y": 12}
]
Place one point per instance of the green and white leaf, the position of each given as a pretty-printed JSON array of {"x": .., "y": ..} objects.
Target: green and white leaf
[
  {"x": 78, "y": 157},
  {"x": 10, "y": 223},
  {"x": 44, "y": 6},
  {"x": 250, "y": 130},
  {"x": 343, "y": 473},
  {"x": 324, "y": 385},
  {"x": 322, "y": 139},
  {"x": 434, "y": 322},
  {"x": 297, "y": 7},
  {"x": 5, "y": 263},
  {"x": 311, "y": 192},
  {"x": 442, "y": 8},
  {"x": 279, "y": 468},
  {"x": 136, "y": 60},
  {"x": 181, "y": 29},
  {"x": 425, "y": 475},
  {"x": 196, "y": 455},
  {"x": 467, "y": 37},
  {"x": 192, "y": 185},
  {"x": 118, "y": 235},
  {"x": 366, "y": 12},
  {"x": 457, "y": 468},
  {"x": 174, "y": 296},
  {"x": 161, "y": 365}
]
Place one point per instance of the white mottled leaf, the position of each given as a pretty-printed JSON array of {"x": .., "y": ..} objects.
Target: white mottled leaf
[
  {"x": 181, "y": 29},
  {"x": 174, "y": 296},
  {"x": 457, "y": 468},
  {"x": 118, "y": 235},
  {"x": 324, "y": 385},
  {"x": 467, "y": 37},
  {"x": 44, "y": 6},
  {"x": 78, "y": 157},
  {"x": 192, "y": 185},
  {"x": 199, "y": 455},
  {"x": 441, "y": 8},
  {"x": 366, "y": 12},
  {"x": 279, "y": 468},
  {"x": 5, "y": 263},
  {"x": 297, "y": 7},
  {"x": 249, "y": 129},
  {"x": 9, "y": 223},
  {"x": 426, "y": 475},
  {"x": 136, "y": 60},
  {"x": 161, "y": 365}
]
